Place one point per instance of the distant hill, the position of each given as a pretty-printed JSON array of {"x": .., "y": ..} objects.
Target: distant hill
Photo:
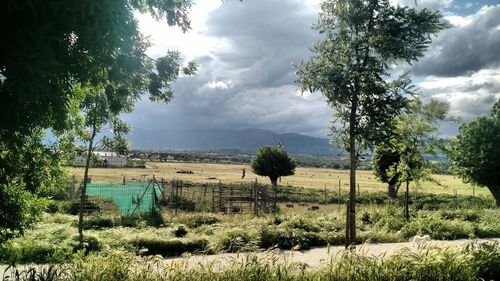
[{"x": 216, "y": 139}]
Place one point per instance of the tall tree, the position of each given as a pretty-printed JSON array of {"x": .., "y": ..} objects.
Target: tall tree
[
  {"x": 350, "y": 68},
  {"x": 414, "y": 138},
  {"x": 102, "y": 105},
  {"x": 49, "y": 48},
  {"x": 475, "y": 152}
]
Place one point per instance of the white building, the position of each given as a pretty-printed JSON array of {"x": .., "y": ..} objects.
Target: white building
[{"x": 109, "y": 159}]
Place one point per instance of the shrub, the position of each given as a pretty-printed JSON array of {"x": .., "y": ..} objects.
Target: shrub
[
  {"x": 171, "y": 247},
  {"x": 197, "y": 220},
  {"x": 438, "y": 228},
  {"x": 235, "y": 240},
  {"x": 98, "y": 222},
  {"x": 180, "y": 231}
]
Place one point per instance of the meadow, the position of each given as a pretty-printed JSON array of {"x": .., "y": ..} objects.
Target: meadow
[
  {"x": 304, "y": 177},
  {"x": 135, "y": 248}
]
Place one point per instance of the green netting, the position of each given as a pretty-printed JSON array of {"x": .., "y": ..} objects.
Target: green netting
[{"x": 125, "y": 196}]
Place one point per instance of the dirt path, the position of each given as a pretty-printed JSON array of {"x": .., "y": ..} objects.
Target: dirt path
[
  {"x": 317, "y": 256},
  {"x": 312, "y": 258}
]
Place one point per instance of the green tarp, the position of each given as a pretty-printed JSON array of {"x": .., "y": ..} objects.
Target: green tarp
[{"x": 125, "y": 196}]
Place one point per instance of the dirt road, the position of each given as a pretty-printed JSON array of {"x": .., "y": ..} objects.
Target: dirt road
[{"x": 312, "y": 258}]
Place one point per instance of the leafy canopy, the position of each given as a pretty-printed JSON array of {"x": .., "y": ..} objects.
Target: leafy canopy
[
  {"x": 49, "y": 46},
  {"x": 362, "y": 39},
  {"x": 475, "y": 152},
  {"x": 403, "y": 157},
  {"x": 273, "y": 162}
]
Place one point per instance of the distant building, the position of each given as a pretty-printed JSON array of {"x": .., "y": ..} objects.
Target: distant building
[{"x": 102, "y": 158}]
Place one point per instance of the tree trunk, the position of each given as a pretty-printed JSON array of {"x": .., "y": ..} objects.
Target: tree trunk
[
  {"x": 391, "y": 190},
  {"x": 274, "y": 183},
  {"x": 84, "y": 187},
  {"x": 353, "y": 160},
  {"x": 495, "y": 191}
]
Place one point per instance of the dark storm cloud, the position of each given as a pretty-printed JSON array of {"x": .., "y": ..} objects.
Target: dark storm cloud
[
  {"x": 250, "y": 82},
  {"x": 465, "y": 49}
]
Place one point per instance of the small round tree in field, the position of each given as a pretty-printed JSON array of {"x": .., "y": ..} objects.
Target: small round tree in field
[
  {"x": 475, "y": 152},
  {"x": 273, "y": 162}
]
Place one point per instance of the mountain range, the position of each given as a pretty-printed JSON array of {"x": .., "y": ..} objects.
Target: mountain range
[{"x": 248, "y": 140}]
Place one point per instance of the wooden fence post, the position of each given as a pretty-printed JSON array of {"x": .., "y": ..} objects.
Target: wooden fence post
[
  {"x": 213, "y": 198},
  {"x": 339, "y": 196}
]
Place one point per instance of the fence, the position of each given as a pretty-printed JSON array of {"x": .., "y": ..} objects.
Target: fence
[
  {"x": 232, "y": 198},
  {"x": 130, "y": 198}
]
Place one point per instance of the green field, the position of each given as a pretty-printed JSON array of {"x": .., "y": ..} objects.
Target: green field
[{"x": 304, "y": 177}]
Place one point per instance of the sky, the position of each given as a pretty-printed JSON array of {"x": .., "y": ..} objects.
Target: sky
[{"x": 245, "y": 51}]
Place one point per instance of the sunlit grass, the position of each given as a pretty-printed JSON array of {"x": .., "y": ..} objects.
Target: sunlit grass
[{"x": 304, "y": 177}]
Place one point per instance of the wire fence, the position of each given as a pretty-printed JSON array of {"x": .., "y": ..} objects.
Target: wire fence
[{"x": 130, "y": 198}]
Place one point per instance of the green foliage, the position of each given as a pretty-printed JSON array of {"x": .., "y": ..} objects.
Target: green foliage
[
  {"x": 180, "y": 231},
  {"x": 273, "y": 162},
  {"x": 475, "y": 152},
  {"x": 385, "y": 159},
  {"x": 415, "y": 135},
  {"x": 19, "y": 210},
  {"x": 197, "y": 220},
  {"x": 51, "y": 46},
  {"x": 169, "y": 247},
  {"x": 362, "y": 40},
  {"x": 474, "y": 262}
]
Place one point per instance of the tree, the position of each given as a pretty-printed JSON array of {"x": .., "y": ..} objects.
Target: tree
[
  {"x": 350, "y": 68},
  {"x": 51, "y": 48},
  {"x": 384, "y": 159},
  {"x": 48, "y": 46},
  {"x": 102, "y": 105},
  {"x": 273, "y": 162},
  {"x": 414, "y": 138},
  {"x": 26, "y": 168},
  {"x": 475, "y": 152}
]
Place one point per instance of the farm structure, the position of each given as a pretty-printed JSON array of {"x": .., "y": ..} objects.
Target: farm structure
[
  {"x": 136, "y": 198},
  {"x": 129, "y": 198},
  {"x": 230, "y": 199},
  {"x": 102, "y": 158}
]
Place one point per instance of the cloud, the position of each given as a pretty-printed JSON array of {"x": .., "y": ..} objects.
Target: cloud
[
  {"x": 469, "y": 96},
  {"x": 468, "y": 47},
  {"x": 421, "y": 4},
  {"x": 245, "y": 78}
]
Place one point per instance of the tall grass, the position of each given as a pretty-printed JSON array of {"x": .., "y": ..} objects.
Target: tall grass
[{"x": 474, "y": 262}]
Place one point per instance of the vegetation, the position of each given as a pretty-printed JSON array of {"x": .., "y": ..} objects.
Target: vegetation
[
  {"x": 48, "y": 54},
  {"x": 305, "y": 178},
  {"x": 273, "y": 162},
  {"x": 474, "y": 262},
  {"x": 362, "y": 38},
  {"x": 475, "y": 152},
  {"x": 55, "y": 239}
]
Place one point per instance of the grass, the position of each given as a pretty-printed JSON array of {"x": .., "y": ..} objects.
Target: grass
[
  {"x": 54, "y": 239},
  {"x": 474, "y": 262},
  {"x": 304, "y": 177}
]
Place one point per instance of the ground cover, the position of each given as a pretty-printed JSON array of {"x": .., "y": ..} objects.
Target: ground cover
[
  {"x": 167, "y": 234},
  {"x": 304, "y": 177}
]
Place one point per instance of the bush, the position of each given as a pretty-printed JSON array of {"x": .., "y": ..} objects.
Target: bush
[
  {"x": 98, "y": 222},
  {"x": 438, "y": 228},
  {"x": 19, "y": 210},
  {"x": 235, "y": 240},
  {"x": 287, "y": 238},
  {"x": 197, "y": 220},
  {"x": 171, "y": 247},
  {"x": 180, "y": 231}
]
